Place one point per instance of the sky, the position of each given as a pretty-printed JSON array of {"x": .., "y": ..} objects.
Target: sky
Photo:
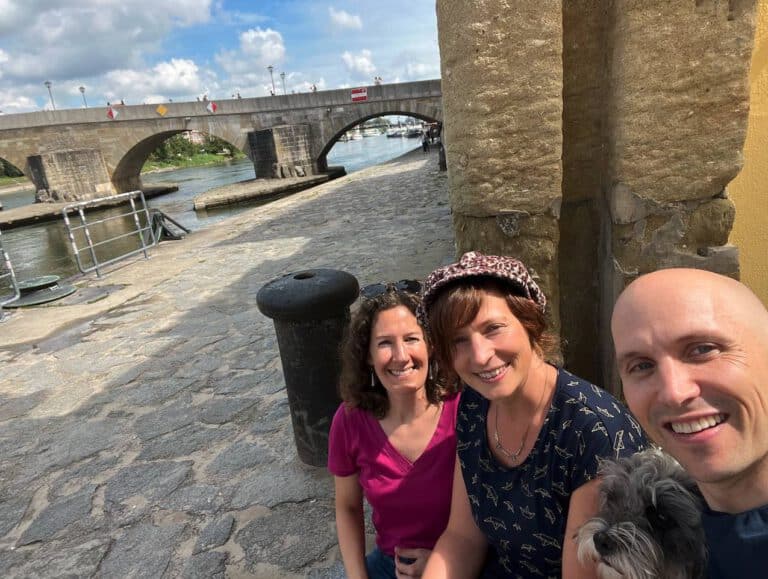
[{"x": 147, "y": 51}]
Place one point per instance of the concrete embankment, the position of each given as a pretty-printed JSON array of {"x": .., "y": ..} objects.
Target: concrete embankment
[
  {"x": 144, "y": 418},
  {"x": 42, "y": 212},
  {"x": 261, "y": 189}
]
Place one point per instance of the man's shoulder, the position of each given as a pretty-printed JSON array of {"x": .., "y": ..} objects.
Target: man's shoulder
[{"x": 737, "y": 543}]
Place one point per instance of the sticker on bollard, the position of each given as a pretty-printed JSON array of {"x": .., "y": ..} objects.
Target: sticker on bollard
[{"x": 310, "y": 311}]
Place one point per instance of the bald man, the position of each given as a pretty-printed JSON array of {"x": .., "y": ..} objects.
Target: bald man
[{"x": 692, "y": 352}]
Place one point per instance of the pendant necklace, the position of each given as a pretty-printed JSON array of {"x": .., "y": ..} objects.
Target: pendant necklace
[{"x": 515, "y": 456}]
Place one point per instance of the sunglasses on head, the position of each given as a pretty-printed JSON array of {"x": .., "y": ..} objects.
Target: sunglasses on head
[{"x": 410, "y": 286}]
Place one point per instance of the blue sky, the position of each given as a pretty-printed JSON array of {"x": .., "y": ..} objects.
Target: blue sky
[{"x": 146, "y": 51}]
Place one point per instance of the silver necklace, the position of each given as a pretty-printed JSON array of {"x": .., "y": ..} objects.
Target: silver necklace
[{"x": 515, "y": 456}]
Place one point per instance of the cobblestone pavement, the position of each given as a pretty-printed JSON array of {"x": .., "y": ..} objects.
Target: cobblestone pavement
[{"x": 144, "y": 430}]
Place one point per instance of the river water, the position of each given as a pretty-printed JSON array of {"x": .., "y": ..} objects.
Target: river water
[{"x": 44, "y": 249}]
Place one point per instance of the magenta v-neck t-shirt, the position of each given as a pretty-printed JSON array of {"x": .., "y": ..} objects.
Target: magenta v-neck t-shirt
[{"x": 410, "y": 501}]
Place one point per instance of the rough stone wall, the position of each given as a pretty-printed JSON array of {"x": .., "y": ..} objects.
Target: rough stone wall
[
  {"x": 677, "y": 119},
  {"x": 74, "y": 175},
  {"x": 594, "y": 140},
  {"x": 282, "y": 152},
  {"x": 502, "y": 103}
]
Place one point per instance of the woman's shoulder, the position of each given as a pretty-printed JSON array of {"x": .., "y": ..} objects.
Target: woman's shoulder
[{"x": 350, "y": 416}]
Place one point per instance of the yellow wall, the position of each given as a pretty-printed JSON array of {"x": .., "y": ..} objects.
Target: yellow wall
[{"x": 749, "y": 190}]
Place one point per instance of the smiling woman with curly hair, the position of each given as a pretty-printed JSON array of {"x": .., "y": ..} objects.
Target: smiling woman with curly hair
[{"x": 393, "y": 438}]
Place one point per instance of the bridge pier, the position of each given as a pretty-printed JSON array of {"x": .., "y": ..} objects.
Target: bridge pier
[
  {"x": 282, "y": 151},
  {"x": 70, "y": 175}
]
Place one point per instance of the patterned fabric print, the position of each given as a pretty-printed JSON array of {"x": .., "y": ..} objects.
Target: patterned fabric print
[
  {"x": 474, "y": 264},
  {"x": 522, "y": 511}
]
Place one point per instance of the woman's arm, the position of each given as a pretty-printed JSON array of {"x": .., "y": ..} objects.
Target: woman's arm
[
  {"x": 350, "y": 525},
  {"x": 460, "y": 552},
  {"x": 584, "y": 505}
]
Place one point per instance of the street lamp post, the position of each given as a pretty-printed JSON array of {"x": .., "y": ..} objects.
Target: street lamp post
[
  {"x": 82, "y": 92},
  {"x": 270, "y": 68},
  {"x": 48, "y": 84},
  {"x": 282, "y": 76}
]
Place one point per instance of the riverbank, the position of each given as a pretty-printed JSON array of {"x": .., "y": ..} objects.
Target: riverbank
[
  {"x": 14, "y": 188},
  {"x": 148, "y": 412},
  {"x": 244, "y": 192},
  {"x": 199, "y": 161},
  {"x": 42, "y": 212}
]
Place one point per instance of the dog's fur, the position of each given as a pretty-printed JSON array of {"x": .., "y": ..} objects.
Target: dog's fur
[{"x": 649, "y": 523}]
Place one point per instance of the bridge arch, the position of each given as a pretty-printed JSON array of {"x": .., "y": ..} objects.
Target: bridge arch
[
  {"x": 126, "y": 175},
  {"x": 351, "y": 124}
]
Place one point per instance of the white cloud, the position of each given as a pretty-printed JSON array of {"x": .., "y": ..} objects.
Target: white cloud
[
  {"x": 360, "y": 64},
  {"x": 266, "y": 46},
  {"x": 343, "y": 19},
  {"x": 421, "y": 70},
  {"x": 15, "y": 103},
  {"x": 49, "y": 38},
  {"x": 177, "y": 77}
]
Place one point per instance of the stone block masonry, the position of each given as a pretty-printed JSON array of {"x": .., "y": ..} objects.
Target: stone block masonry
[
  {"x": 595, "y": 141},
  {"x": 281, "y": 152},
  {"x": 71, "y": 175}
]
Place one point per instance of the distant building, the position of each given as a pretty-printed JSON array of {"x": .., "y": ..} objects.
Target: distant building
[{"x": 194, "y": 137}]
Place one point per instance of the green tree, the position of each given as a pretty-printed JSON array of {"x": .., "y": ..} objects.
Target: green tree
[{"x": 9, "y": 170}]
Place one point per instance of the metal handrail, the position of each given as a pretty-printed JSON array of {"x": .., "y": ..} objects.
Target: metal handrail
[
  {"x": 91, "y": 245},
  {"x": 7, "y": 272}
]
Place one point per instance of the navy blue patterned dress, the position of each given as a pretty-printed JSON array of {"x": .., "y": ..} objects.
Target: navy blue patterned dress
[{"x": 523, "y": 510}]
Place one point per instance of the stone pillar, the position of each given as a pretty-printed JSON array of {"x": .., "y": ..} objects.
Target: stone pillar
[
  {"x": 502, "y": 104},
  {"x": 70, "y": 175},
  {"x": 594, "y": 140},
  {"x": 676, "y": 120},
  {"x": 282, "y": 151}
]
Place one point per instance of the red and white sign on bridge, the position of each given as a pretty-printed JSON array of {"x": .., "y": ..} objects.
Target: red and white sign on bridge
[{"x": 359, "y": 94}]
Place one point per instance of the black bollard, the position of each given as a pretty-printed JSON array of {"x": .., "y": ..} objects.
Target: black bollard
[{"x": 310, "y": 310}]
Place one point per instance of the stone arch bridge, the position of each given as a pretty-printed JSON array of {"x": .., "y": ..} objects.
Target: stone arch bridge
[{"x": 83, "y": 153}]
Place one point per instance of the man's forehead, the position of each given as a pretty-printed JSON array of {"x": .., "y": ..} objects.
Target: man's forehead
[{"x": 643, "y": 320}]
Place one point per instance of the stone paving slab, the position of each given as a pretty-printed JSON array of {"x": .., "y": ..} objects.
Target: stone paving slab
[{"x": 147, "y": 433}]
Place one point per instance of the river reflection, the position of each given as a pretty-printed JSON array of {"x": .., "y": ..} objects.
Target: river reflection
[{"x": 45, "y": 249}]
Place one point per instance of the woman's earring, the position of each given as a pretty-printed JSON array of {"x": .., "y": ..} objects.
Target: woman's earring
[
  {"x": 373, "y": 379},
  {"x": 431, "y": 370}
]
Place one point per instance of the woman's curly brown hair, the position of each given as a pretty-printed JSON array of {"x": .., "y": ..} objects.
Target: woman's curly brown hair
[{"x": 355, "y": 382}]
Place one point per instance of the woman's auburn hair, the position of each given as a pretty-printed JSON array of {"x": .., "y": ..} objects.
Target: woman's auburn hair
[
  {"x": 355, "y": 380},
  {"x": 458, "y": 303}
]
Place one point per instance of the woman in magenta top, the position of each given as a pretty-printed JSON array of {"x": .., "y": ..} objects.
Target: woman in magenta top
[{"x": 393, "y": 439}]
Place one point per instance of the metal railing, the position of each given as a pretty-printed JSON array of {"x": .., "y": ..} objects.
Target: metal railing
[
  {"x": 7, "y": 280},
  {"x": 141, "y": 229}
]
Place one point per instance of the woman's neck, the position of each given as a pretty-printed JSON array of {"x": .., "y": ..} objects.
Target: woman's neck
[
  {"x": 529, "y": 398},
  {"x": 404, "y": 407}
]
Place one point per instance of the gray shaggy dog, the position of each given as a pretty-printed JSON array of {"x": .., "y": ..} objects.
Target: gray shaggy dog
[{"x": 649, "y": 523}]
